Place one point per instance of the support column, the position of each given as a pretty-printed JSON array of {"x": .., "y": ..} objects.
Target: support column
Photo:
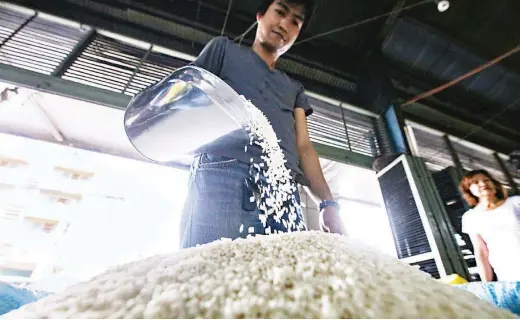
[
  {"x": 508, "y": 175},
  {"x": 377, "y": 93},
  {"x": 459, "y": 169},
  {"x": 15, "y": 32},
  {"x": 412, "y": 141},
  {"x": 75, "y": 53},
  {"x": 137, "y": 68},
  {"x": 345, "y": 126},
  {"x": 395, "y": 125}
]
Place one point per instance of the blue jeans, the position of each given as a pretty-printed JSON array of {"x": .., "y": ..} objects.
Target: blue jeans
[{"x": 214, "y": 205}]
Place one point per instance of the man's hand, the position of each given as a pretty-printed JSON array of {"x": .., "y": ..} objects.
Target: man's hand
[{"x": 330, "y": 221}]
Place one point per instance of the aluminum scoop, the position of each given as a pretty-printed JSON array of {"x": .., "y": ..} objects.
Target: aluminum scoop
[{"x": 191, "y": 111}]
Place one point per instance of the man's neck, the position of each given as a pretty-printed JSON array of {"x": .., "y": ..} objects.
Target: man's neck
[{"x": 270, "y": 57}]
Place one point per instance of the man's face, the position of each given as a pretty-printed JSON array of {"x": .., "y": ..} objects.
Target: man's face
[{"x": 279, "y": 27}]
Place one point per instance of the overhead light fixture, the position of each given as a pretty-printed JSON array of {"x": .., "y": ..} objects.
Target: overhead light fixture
[{"x": 442, "y": 5}]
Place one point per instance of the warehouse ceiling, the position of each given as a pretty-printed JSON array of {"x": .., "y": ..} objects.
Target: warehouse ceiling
[{"x": 388, "y": 60}]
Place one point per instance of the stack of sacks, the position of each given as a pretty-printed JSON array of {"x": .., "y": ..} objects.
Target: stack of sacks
[{"x": 295, "y": 275}]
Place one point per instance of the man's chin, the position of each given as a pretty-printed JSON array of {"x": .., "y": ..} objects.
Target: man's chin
[{"x": 271, "y": 46}]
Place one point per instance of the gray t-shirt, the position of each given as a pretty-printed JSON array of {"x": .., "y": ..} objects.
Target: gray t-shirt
[{"x": 272, "y": 91}]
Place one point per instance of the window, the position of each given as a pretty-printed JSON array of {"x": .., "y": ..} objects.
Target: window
[
  {"x": 13, "y": 212},
  {"x": 91, "y": 210},
  {"x": 8, "y": 220},
  {"x": 368, "y": 224},
  {"x": 74, "y": 174},
  {"x": 47, "y": 226},
  {"x": 22, "y": 34},
  {"x": 430, "y": 145},
  {"x": 362, "y": 207},
  {"x": 338, "y": 127},
  {"x": 11, "y": 163},
  {"x": 59, "y": 197},
  {"x": 10, "y": 217},
  {"x": 473, "y": 157}
]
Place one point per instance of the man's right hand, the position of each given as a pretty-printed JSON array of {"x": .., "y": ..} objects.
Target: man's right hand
[{"x": 331, "y": 222}]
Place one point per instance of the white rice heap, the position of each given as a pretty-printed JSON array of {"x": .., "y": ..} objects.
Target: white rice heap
[
  {"x": 277, "y": 192},
  {"x": 293, "y": 275}
]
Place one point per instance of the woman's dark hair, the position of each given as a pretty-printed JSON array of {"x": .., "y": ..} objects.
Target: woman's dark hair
[
  {"x": 469, "y": 179},
  {"x": 308, "y": 6}
]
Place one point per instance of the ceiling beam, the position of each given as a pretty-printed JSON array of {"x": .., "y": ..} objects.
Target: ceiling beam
[
  {"x": 463, "y": 115},
  {"x": 164, "y": 32},
  {"x": 209, "y": 21},
  {"x": 387, "y": 27},
  {"x": 454, "y": 126},
  {"x": 212, "y": 16},
  {"x": 59, "y": 86},
  {"x": 459, "y": 101}
]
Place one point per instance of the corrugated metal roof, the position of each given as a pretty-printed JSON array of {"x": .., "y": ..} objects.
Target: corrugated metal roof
[
  {"x": 432, "y": 147},
  {"x": 335, "y": 126},
  {"x": 115, "y": 65},
  {"x": 34, "y": 42}
]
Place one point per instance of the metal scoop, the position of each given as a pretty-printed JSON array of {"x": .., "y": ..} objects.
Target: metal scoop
[{"x": 189, "y": 112}]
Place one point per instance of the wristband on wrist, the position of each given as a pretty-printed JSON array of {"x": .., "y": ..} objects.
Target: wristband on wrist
[{"x": 328, "y": 203}]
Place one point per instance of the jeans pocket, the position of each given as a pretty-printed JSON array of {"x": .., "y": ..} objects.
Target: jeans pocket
[{"x": 208, "y": 161}]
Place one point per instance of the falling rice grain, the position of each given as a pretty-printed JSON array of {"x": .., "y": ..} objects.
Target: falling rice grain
[{"x": 273, "y": 179}]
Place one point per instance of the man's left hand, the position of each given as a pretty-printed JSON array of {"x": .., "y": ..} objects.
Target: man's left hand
[{"x": 330, "y": 221}]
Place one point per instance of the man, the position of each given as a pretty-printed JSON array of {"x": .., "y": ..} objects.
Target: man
[{"x": 218, "y": 200}]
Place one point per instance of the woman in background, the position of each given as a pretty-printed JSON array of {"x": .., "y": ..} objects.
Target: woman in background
[{"x": 493, "y": 225}]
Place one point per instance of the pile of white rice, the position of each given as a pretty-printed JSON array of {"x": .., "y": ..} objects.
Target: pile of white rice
[{"x": 294, "y": 275}]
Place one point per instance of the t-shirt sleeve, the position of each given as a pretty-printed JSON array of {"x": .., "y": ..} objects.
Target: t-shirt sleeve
[
  {"x": 302, "y": 101},
  {"x": 468, "y": 223},
  {"x": 516, "y": 203},
  {"x": 515, "y": 199},
  {"x": 211, "y": 58}
]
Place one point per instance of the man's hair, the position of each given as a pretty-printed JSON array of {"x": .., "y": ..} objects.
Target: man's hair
[
  {"x": 308, "y": 7},
  {"x": 469, "y": 179}
]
